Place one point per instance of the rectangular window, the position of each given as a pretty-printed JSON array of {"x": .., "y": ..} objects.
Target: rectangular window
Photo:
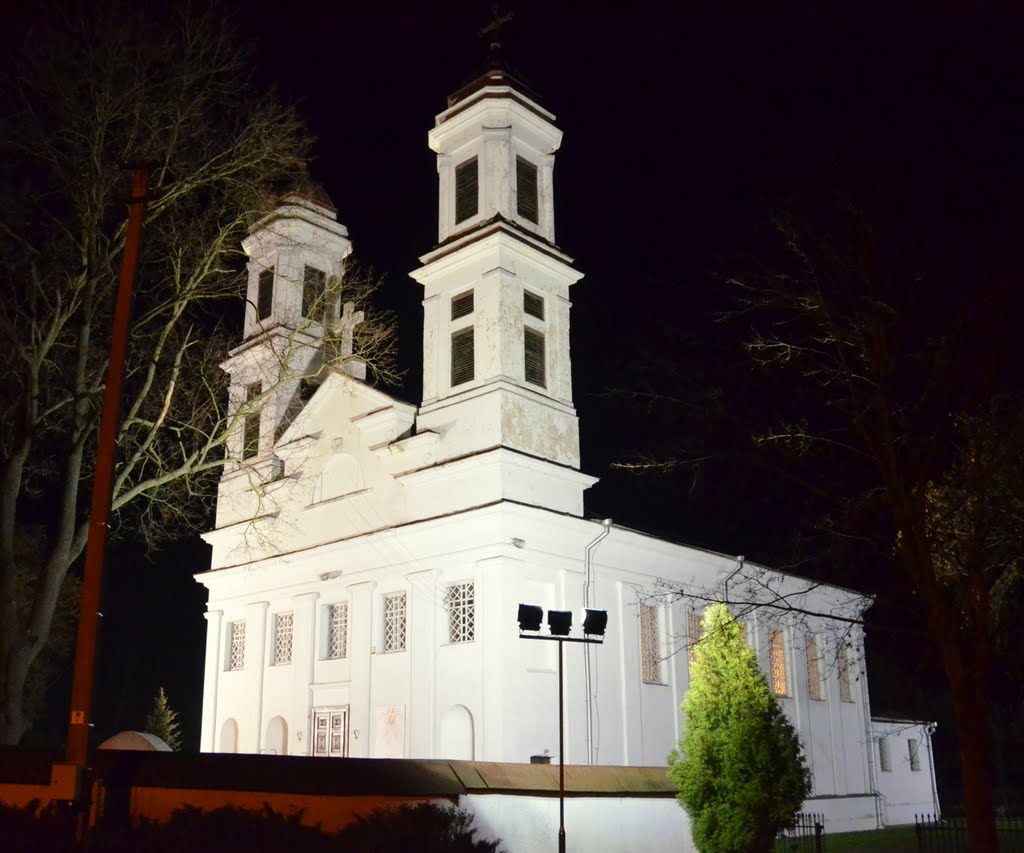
[
  {"x": 915, "y": 756},
  {"x": 533, "y": 357},
  {"x": 533, "y": 305},
  {"x": 265, "y": 295},
  {"x": 251, "y": 422},
  {"x": 814, "y": 690},
  {"x": 884, "y": 759},
  {"x": 236, "y": 647},
  {"x": 462, "y": 357},
  {"x": 693, "y": 633},
  {"x": 394, "y": 622},
  {"x": 314, "y": 290},
  {"x": 283, "y": 625},
  {"x": 843, "y": 667},
  {"x": 460, "y": 600},
  {"x": 462, "y": 305},
  {"x": 466, "y": 190},
  {"x": 777, "y": 649},
  {"x": 526, "y": 189},
  {"x": 650, "y": 657},
  {"x": 337, "y": 631}
]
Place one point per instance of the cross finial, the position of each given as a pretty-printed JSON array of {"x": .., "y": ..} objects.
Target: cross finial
[{"x": 493, "y": 29}]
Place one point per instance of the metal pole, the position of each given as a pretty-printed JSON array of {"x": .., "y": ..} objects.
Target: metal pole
[
  {"x": 99, "y": 511},
  {"x": 561, "y": 756}
]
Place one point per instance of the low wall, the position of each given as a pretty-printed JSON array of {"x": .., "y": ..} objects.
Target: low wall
[{"x": 606, "y": 808}]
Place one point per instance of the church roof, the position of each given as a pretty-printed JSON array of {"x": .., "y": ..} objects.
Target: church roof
[
  {"x": 306, "y": 188},
  {"x": 497, "y": 73}
]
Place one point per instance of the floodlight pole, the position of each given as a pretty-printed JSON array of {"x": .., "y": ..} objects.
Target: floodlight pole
[{"x": 561, "y": 725}]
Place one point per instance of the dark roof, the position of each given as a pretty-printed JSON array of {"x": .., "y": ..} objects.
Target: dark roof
[
  {"x": 497, "y": 73},
  {"x": 305, "y": 187}
]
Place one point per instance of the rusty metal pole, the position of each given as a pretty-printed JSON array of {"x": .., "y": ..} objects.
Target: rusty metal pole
[{"x": 77, "y": 753}]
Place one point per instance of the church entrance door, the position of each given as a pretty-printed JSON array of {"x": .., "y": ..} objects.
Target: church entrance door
[{"x": 330, "y": 732}]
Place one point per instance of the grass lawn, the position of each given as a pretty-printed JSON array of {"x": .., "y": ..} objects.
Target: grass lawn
[{"x": 898, "y": 840}]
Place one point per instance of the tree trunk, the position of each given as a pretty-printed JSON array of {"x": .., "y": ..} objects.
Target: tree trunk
[
  {"x": 13, "y": 672},
  {"x": 971, "y": 712}
]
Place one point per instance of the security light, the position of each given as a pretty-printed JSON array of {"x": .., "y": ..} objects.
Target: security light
[
  {"x": 530, "y": 616},
  {"x": 559, "y": 622},
  {"x": 594, "y": 622}
]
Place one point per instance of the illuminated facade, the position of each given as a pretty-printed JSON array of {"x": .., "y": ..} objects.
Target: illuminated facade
[{"x": 369, "y": 555}]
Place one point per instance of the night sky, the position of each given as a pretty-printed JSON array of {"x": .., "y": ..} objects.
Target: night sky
[{"x": 687, "y": 126}]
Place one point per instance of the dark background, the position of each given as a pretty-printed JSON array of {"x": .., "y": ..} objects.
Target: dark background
[{"x": 687, "y": 125}]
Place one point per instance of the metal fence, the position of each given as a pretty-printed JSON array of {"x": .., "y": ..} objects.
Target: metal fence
[
  {"x": 807, "y": 836},
  {"x": 949, "y": 835}
]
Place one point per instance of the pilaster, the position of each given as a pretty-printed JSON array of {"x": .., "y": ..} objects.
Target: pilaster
[{"x": 211, "y": 678}]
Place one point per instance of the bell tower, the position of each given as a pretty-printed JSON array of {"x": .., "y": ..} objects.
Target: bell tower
[
  {"x": 496, "y": 360},
  {"x": 296, "y": 254}
]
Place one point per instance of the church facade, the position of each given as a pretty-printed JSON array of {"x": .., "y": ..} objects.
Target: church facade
[{"x": 369, "y": 555}]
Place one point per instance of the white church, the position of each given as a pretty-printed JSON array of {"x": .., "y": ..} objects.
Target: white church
[{"x": 370, "y": 555}]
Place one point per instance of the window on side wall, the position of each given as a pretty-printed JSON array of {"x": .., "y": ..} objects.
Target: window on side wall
[
  {"x": 914, "y": 754},
  {"x": 236, "y": 645},
  {"x": 777, "y": 652},
  {"x": 650, "y": 646},
  {"x": 459, "y": 599},
  {"x": 394, "y": 622},
  {"x": 814, "y": 669},
  {"x": 693, "y": 633},
  {"x": 843, "y": 667},
  {"x": 337, "y": 630},
  {"x": 283, "y": 629},
  {"x": 884, "y": 758},
  {"x": 265, "y": 294}
]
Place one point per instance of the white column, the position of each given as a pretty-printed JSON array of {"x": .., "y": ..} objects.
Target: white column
[
  {"x": 255, "y": 654},
  {"x": 496, "y": 172},
  {"x": 304, "y": 652},
  {"x": 214, "y": 664},
  {"x": 423, "y": 643},
  {"x": 546, "y": 192},
  {"x": 445, "y": 191},
  {"x": 363, "y": 639}
]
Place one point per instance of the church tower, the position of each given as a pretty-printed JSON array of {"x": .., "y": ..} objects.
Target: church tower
[
  {"x": 496, "y": 360},
  {"x": 295, "y": 253}
]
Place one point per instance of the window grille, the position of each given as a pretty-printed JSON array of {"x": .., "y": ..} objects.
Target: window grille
[
  {"x": 462, "y": 305},
  {"x": 283, "y": 625},
  {"x": 650, "y": 657},
  {"x": 394, "y": 622},
  {"x": 777, "y": 648},
  {"x": 460, "y": 600},
  {"x": 466, "y": 190},
  {"x": 265, "y": 295},
  {"x": 884, "y": 759},
  {"x": 314, "y": 289},
  {"x": 337, "y": 630},
  {"x": 251, "y": 422},
  {"x": 915, "y": 756},
  {"x": 236, "y": 651},
  {"x": 533, "y": 304},
  {"x": 814, "y": 669},
  {"x": 843, "y": 667},
  {"x": 533, "y": 356},
  {"x": 526, "y": 189},
  {"x": 693, "y": 633},
  {"x": 462, "y": 357}
]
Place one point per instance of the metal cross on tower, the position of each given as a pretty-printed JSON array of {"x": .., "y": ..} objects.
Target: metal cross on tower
[{"x": 494, "y": 27}]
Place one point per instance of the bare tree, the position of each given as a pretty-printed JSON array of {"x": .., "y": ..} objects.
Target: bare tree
[
  {"x": 900, "y": 415},
  {"x": 86, "y": 96}
]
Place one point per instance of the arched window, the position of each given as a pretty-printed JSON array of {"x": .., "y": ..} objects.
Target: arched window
[
  {"x": 457, "y": 734},
  {"x": 229, "y": 736},
  {"x": 276, "y": 741}
]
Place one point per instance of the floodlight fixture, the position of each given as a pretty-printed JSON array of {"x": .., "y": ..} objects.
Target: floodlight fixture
[
  {"x": 559, "y": 622},
  {"x": 594, "y": 622},
  {"x": 530, "y": 617}
]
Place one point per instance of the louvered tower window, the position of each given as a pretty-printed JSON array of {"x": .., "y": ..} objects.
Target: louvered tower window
[
  {"x": 533, "y": 354},
  {"x": 265, "y": 295},
  {"x": 533, "y": 305},
  {"x": 466, "y": 190},
  {"x": 251, "y": 422},
  {"x": 314, "y": 288},
  {"x": 526, "y": 189},
  {"x": 462, "y": 340}
]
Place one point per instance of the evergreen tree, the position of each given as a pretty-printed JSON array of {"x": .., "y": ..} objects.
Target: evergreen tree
[
  {"x": 162, "y": 721},
  {"x": 739, "y": 767}
]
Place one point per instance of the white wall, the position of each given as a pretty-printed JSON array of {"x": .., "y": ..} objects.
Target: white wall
[{"x": 905, "y": 792}]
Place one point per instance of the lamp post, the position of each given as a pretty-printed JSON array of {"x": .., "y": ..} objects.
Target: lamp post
[{"x": 559, "y": 625}]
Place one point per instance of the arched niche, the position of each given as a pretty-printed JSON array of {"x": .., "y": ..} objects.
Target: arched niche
[
  {"x": 342, "y": 475},
  {"x": 457, "y": 734},
  {"x": 276, "y": 741},
  {"x": 229, "y": 736}
]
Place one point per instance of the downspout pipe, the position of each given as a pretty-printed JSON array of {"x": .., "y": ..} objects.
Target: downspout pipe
[{"x": 588, "y": 581}]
